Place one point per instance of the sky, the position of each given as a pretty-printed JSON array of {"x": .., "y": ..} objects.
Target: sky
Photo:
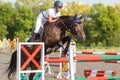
[
  {"x": 88, "y": 2},
  {"x": 91, "y": 2}
]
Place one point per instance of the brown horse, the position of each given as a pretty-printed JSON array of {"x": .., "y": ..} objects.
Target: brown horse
[{"x": 54, "y": 38}]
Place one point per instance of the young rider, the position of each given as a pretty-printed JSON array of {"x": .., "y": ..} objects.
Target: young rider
[{"x": 50, "y": 15}]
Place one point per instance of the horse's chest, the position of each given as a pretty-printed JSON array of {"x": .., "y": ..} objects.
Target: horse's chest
[{"x": 53, "y": 35}]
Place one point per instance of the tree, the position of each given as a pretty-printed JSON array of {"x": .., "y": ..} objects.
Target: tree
[
  {"x": 3, "y": 31},
  {"x": 5, "y": 18},
  {"x": 24, "y": 22},
  {"x": 103, "y": 28}
]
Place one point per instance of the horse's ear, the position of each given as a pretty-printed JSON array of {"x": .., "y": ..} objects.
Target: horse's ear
[
  {"x": 81, "y": 16},
  {"x": 75, "y": 16}
]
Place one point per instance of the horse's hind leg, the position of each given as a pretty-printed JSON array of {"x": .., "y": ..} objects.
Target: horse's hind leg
[
  {"x": 33, "y": 67},
  {"x": 31, "y": 76}
]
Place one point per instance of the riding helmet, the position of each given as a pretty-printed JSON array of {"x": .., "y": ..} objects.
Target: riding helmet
[{"x": 58, "y": 4}]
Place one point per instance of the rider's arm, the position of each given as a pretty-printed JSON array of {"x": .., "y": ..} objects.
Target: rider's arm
[{"x": 50, "y": 19}]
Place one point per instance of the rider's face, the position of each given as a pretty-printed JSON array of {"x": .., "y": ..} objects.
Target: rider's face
[{"x": 58, "y": 9}]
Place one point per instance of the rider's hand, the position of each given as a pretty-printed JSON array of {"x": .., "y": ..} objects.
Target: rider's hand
[{"x": 57, "y": 19}]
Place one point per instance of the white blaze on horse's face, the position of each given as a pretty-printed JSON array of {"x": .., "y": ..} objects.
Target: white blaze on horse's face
[{"x": 78, "y": 27}]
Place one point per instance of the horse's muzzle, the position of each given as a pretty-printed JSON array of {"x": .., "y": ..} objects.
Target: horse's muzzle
[{"x": 83, "y": 37}]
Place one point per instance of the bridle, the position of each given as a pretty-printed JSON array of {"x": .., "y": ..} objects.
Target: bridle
[{"x": 67, "y": 28}]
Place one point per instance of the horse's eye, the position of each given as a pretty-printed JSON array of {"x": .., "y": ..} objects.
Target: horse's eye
[{"x": 75, "y": 24}]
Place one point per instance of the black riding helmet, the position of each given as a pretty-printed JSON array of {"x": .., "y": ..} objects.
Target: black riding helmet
[{"x": 58, "y": 4}]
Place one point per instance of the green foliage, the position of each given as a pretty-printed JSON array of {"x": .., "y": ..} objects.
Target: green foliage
[
  {"x": 5, "y": 18},
  {"x": 17, "y": 21},
  {"x": 25, "y": 20},
  {"x": 3, "y": 31},
  {"x": 103, "y": 29}
]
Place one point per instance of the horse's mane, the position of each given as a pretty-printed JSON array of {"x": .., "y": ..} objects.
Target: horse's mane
[
  {"x": 65, "y": 17},
  {"x": 62, "y": 18}
]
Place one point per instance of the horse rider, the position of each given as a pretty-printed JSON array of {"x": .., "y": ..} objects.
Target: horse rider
[{"x": 50, "y": 15}]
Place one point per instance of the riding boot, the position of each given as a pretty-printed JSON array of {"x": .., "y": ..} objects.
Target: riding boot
[
  {"x": 40, "y": 32},
  {"x": 32, "y": 39}
]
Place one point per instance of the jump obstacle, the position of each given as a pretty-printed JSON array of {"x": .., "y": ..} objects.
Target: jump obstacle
[
  {"x": 60, "y": 60},
  {"x": 21, "y": 68},
  {"x": 91, "y": 59},
  {"x": 63, "y": 66},
  {"x": 83, "y": 59}
]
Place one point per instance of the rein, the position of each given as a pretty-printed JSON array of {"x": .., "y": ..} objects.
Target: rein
[{"x": 65, "y": 24}]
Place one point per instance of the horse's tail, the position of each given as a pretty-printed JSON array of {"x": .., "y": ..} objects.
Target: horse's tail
[{"x": 13, "y": 64}]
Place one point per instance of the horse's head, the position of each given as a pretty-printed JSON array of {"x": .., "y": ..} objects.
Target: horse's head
[
  {"x": 76, "y": 27},
  {"x": 73, "y": 24}
]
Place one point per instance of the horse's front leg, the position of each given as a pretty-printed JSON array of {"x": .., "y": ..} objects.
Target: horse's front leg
[
  {"x": 57, "y": 46},
  {"x": 67, "y": 40},
  {"x": 61, "y": 43}
]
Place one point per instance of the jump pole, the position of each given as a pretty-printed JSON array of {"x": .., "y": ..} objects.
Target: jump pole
[
  {"x": 97, "y": 58},
  {"x": 99, "y": 53},
  {"x": 100, "y": 78},
  {"x": 84, "y": 58},
  {"x": 20, "y": 70},
  {"x": 99, "y": 73}
]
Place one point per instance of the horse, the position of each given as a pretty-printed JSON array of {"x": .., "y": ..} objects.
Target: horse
[{"x": 54, "y": 37}]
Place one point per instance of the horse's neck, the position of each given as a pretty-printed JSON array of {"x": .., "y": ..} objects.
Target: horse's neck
[{"x": 66, "y": 23}]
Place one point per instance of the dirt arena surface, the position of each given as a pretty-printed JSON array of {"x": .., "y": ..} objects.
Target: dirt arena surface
[{"x": 4, "y": 59}]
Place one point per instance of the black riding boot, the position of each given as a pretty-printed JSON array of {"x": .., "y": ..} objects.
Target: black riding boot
[{"x": 32, "y": 39}]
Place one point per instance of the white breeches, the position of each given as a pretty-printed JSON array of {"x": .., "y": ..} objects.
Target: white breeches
[{"x": 39, "y": 23}]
